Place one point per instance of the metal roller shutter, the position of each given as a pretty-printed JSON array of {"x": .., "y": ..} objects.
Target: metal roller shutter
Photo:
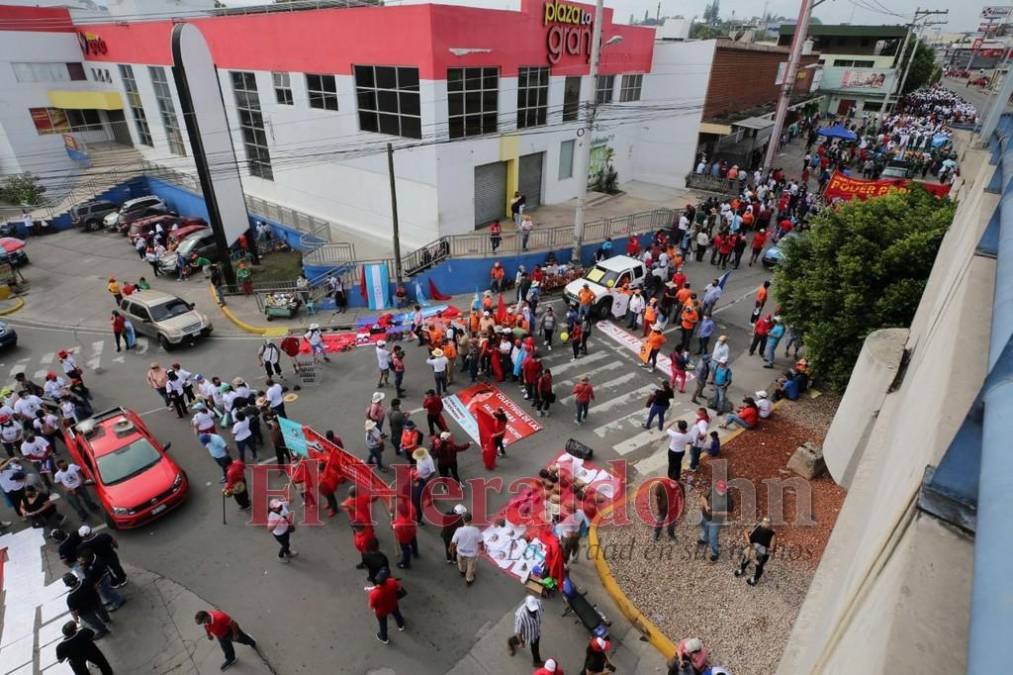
[
  {"x": 490, "y": 192},
  {"x": 529, "y": 179}
]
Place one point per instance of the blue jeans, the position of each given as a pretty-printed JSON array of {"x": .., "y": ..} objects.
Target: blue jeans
[
  {"x": 632, "y": 323},
  {"x": 771, "y": 349},
  {"x": 704, "y": 344},
  {"x": 709, "y": 531},
  {"x": 720, "y": 396},
  {"x": 441, "y": 382},
  {"x": 108, "y": 594},
  {"x": 659, "y": 412},
  {"x": 407, "y": 551},
  {"x": 735, "y": 419},
  {"x": 374, "y": 456},
  {"x": 382, "y": 620},
  {"x": 78, "y": 500},
  {"x": 582, "y": 411},
  {"x": 244, "y": 445}
]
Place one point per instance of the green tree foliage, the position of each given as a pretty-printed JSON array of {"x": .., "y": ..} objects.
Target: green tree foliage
[
  {"x": 711, "y": 13},
  {"x": 22, "y": 189},
  {"x": 924, "y": 70},
  {"x": 860, "y": 268}
]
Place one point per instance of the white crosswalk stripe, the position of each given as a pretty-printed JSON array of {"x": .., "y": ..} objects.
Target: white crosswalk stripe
[{"x": 605, "y": 386}]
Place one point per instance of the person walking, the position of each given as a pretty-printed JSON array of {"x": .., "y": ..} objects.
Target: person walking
[
  {"x": 680, "y": 362},
  {"x": 774, "y": 336},
  {"x": 382, "y": 363},
  {"x": 527, "y": 629},
  {"x": 85, "y": 605},
  {"x": 375, "y": 410},
  {"x": 219, "y": 451},
  {"x": 667, "y": 501},
  {"x": 715, "y": 507},
  {"x": 78, "y": 649},
  {"x": 315, "y": 339},
  {"x": 703, "y": 335},
  {"x": 119, "y": 328},
  {"x": 104, "y": 546},
  {"x": 374, "y": 444},
  {"x": 526, "y": 227},
  {"x": 397, "y": 364},
  {"x": 466, "y": 544},
  {"x": 438, "y": 362},
  {"x": 700, "y": 429},
  {"x": 544, "y": 396},
  {"x": 243, "y": 436},
  {"x": 114, "y": 290},
  {"x": 760, "y": 545},
  {"x": 279, "y": 523},
  {"x": 156, "y": 377},
  {"x": 96, "y": 572},
  {"x": 583, "y": 394},
  {"x": 174, "y": 391},
  {"x": 269, "y": 358},
  {"x": 405, "y": 534},
  {"x": 657, "y": 405},
  {"x": 384, "y": 600},
  {"x": 678, "y": 439},
  {"x": 548, "y": 326},
  {"x": 445, "y": 451},
  {"x": 69, "y": 477},
  {"x": 220, "y": 626},
  {"x": 433, "y": 406},
  {"x": 452, "y": 521},
  {"x": 761, "y": 328}
]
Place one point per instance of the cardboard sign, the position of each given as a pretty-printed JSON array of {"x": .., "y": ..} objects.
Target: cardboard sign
[
  {"x": 844, "y": 187},
  {"x": 489, "y": 398}
]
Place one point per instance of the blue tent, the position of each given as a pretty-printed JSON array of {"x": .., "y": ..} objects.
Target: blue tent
[{"x": 838, "y": 131}]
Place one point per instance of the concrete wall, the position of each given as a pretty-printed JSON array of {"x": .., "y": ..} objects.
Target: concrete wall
[
  {"x": 744, "y": 75},
  {"x": 867, "y": 590}
]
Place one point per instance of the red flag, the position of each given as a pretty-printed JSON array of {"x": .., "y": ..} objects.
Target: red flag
[
  {"x": 501, "y": 311},
  {"x": 486, "y": 427},
  {"x": 434, "y": 292},
  {"x": 362, "y": 285}
]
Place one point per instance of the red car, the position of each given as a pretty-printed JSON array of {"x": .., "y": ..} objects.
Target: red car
[{"x": 135, "y": 478}]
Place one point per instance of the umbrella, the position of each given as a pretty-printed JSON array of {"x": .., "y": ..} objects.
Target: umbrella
[
  {"x": 838, "y": 131},
  {"x": 11, "y": 244}
]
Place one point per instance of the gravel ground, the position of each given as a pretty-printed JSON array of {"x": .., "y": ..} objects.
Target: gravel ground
[{"x": 679, "y": 589}]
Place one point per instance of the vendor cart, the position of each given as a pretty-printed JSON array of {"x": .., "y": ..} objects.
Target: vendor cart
[{"x": 281, "y": 304}]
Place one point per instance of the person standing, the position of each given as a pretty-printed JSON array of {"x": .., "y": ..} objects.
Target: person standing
[
  {"x": 104, "y": 546},
  {"x": 78, "y": 649},
  {"x": 761, "y": 328},
  {"x": 70, "y": 478},
  {"x": 279, "y": 523},
  {"x": 760, "y": 545},
  {"x": 397, "y": 364},
  {"x": 174, "y": 391},
  {"x": 635, "y": 309},
  {"x": 654, "y": 341},
  {"x": 774, "y": 336},
  {"x": 374, "y": 444},
  {"x": 445, "y": 451},
  {"x": 219, "y": 451},
  {"x": 375, "y": 410},
  {"x": 707, "y": 327},
  {"x": 722, "y": 380},
  {"x": 583, "y": 394},
  {"x": 114, "y": 290},
  {"x": 761, "y": 297},
  {"x": 700, "y": 430},
  {"x": 384, "y": 601},
  {"x": 243, "y": 436},
  {"x": 495, "y": 235},
  {"x": 517, "y": 207},
  {"x": 96, "y": 572},
  {"x": 438, "y": 362},
  {"x": 531, "y": 370},
  {"x": 269, "y": 358},
  {"x": 526, "y": 226},
  {"x": 548, "y": 325},
  {"x": 720, "y": 352},
  {"x": 667, "y": 501},
  {"x": 657, "y": 405},
  {"x": 759, "y": 239},
  {"x": 220, "y": 626},
  {"x": 156, "y": 378},
  {"x": 452, "y": 521},
  {"x": 405, "y": 533},
  {"x": 85, "y": 605},
  {"x": 527, "y": 629},
  {"x": 275, "y": 396},
  {"x": 544, "y": 396},
  {"x": 596, "y": 660},
  {"x": 315, "y": 339},
  {"x": 235, "y": 484},
  {"x": 715, "y": 507},
  {"x": 680, "y": 362},
  {"x": 119, "y": 327},
  {"x": 466, "y": 544},
  {"x": 433, "y": 406},
  {"x": 382, "y": 363}
]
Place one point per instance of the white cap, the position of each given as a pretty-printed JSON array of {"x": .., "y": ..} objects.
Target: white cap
[
  {"x": 83, "y": 531},
  {"x": 761, "y": 394},
  {"x": 444, "y": 435},
  {"x": 378, "y": 396},
  {"x": 274, "y": 504},
  {"x": 381, "y": 343},
  {"x": 314, "y": 326},
  {"x": 550, "y": 665},
  {"x": 693, "y": 645},
  {"x": 460, "y": 509},
  {"x": 531, "y": 602}
]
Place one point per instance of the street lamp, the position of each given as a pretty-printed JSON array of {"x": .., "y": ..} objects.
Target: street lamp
[{"x": 596, "y": 47}]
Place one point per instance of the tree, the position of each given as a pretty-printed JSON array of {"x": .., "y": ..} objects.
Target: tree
[
  {"x": 711, "y": 14},
  {"x": 22, "y": 189},
  {"x": 860, "y": 268},
  {"x": 702, "y": 31},
  {"x": 923, "y": 69}
]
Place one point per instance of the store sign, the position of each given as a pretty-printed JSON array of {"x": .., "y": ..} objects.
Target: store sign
[
  {"x": 989, "y": 12},
  {"x": 91, "y": 43},
  {"x": 569, "y": 30},
  {"x": 862, "y": 79}
]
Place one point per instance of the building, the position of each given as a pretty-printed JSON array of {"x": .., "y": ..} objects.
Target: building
[
  {"x": 973, "y": 53},
  {"x": 477, "y": 103},
  {"x": 742, "y": 94},
  {"x": 859, "y": 63}
]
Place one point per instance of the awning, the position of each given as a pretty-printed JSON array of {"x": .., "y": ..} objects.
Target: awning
[
  {"x": 711, "y": 128},
  {"x": 86, "y": 100},
  {"x": 754, "y": 123}
]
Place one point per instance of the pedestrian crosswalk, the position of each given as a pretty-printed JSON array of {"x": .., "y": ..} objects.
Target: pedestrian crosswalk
[{"x": 93, "y": 356}]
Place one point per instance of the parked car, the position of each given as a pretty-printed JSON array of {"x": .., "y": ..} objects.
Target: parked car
[
  {"x": 773, "y": 256},
  {"x": 166, "y": 318},
  {"x": 89, "y": 216},
  {"x": 136, "y": 479},
  {"x": 8, "y": 336},
  {"x": 978, "y": 82},
  {"x": 200, "y": 243},
  {"x": 132, "y": 209},
  {"x": 896, "y": 168},
  {"x": 606, "y": 274},
  {"x": 147, "y": 225},
  {"x": 178, "y": 235}
]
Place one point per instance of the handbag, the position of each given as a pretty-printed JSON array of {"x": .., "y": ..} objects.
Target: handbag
[{"x": 239, "y": 488}]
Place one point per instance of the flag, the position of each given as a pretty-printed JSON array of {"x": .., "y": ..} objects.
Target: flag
[
  {"x": 420, "y": 296},
  {"x": 723, "y": 279},
  {"x": 434, "y": 292},
  {"x": 362, "y": 285},
  {"x": 486, "y": 427},
  {"x": 501, "y": 311},
  {"x": 476, "y": 303}
]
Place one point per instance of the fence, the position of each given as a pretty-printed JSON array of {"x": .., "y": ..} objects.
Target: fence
[{"x": 700, "y": 181}]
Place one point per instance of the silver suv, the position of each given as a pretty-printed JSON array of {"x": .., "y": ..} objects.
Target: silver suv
[{"x": 166, "y": 318}]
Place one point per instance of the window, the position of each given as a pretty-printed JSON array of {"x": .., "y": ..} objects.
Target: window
[
  {"x": 283, "y": 89},
  {"x": 251, "y": 124},
  {"x": 566, "y": 159},
  {"x": 629, "y": 88},
  {"x": 605, "y": 89},
  {"x": 136, "y": 107},
  {"x": 844, "y": 63},
  {"x": 532, "y": 96},
  {"x": 323, "y": 91},
  {"x": 56, "y": 121},
  {"x": 864, "y": 64},
  {"x": 168, "y": 111},
  {"x": 48, "y": 72},
  {"x": 388, "y": 100},
  {"x": 571, "y": 99},
  {"x": 473, "y": 100}
]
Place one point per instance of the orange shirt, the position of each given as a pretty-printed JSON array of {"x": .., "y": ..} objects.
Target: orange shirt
[
  {"x": 498, "y": 272},
  {"x": 450, "y": 350},
  {"x": 683, "y": 295},
  {"x": 650, "y": 315},
  {"x": 655, "y": 340},
  {"x": 689, "y": 318},
  {"x": 487, "y": 302},
  {"x": 435, "y": 335},
  {"x": 586, "y": 296},
  {"x": 474, "y": 319},
  {"x": 761, "y": 294}
]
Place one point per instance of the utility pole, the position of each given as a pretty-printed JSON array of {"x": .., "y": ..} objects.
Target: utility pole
[
  {"x": 588, "y": 128},
  {"x": 912, "y": 29},
  {"x": 791, "y": 72},
  {"x": 393, "y": 212}
]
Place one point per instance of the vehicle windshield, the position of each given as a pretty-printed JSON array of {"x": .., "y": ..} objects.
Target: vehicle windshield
[
  {"x": 602, "y": 276},
  {"x": 188, "y": 245},
  {"x": 168, "y": 310},
  {"x": 127, "y": 462}
]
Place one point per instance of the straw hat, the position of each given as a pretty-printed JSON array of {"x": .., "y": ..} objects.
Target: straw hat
[
  {"x": 378, "y": 396},
  {"x": 437, "y": 353},
  {"x": 370, "y": 425},
  {"x": 314, "y": 326},
  {"x": 420, "y": 454}
]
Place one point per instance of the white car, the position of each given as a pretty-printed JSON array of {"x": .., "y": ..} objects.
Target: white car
[
  {"x": 604, "y": 275},
  {"x": 133, "y": 208}
]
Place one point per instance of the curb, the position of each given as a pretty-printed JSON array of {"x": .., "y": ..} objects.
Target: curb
[
  {"x": 271, "y": 331},
  {"x": 19, "y": 302}
]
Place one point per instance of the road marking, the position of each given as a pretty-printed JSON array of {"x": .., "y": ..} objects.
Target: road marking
[
  {"x": 622, "y": 379},
  {"x": 644, "y": 438},
  {"x": 95, "y": 362},
  {"x": 594, "y": 371},
  {"x": 47, "y": 358},
  {"x": 590, "y": 358},
  {"x": 18, "y": 367},
  {"x": 652, "y": 463},
  {"x": 623, "y": 399},
  {"x": 153, "y": 410}
]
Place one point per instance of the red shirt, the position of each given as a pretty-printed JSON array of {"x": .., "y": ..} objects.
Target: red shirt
[
  {"x": 383, "y": 597},
  {"x": 234, "y": 473},
  {"x": 583, "y": 392},
  {"x": 759, "y": 239},
  {"x": 679, "y": 279},
  {"x": 119, "y": 323},
  {"x": 220, "y": 626},
  {"x": 433, "y": 405},
  {"x": 531, "y": 369},
  {"x": 748, "y": 415},
  {"x": 404, "y": 529},
  {"x": 363, "y": 537},
  {"x": 763, "y": 326}
]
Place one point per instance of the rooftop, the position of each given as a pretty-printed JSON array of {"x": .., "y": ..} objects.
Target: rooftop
[{"x": 847, "y": 30}]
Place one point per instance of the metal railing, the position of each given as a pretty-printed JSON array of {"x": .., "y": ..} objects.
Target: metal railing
[{"x": 700, "y": 181}]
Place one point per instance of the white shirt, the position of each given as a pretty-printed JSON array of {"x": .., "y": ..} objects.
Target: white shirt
[
  {"x": 425, "y": 467},
  {"x": 203, "y": 421},
  {"x": 10, "y": 433},
  {"x": 69, "y": 364},
  {"x": 7, "y": 481},
  {"x": 35, "y": 450},
  {"x": 382, "y": 358},
  {"x": 314, "y": 338},
  {"x": 70, "y": 478},
  {"x": 275, "y": 395},
  {"x": 699, "y": 431},
  {"x": 277, "y": 522},
  {"x": 764, "y": 406},
  {"x": 28, "y": 405},
  {"x": 47, "y": 420},
  {"x": 208, "y": 390},
  {"x": 720, "y": 353},
  {"x": 269, "y": 353},
  {"x": 679, "y": 440},
  {"x": 174, "y": 386},
  {"x": 439, "y": 364},
  {"x": 68, "y": 409},
  {"x": 637, "y": 303},
  {"x": 228, "y": 398},
  {"x": 183, "y": 374},
  {"x": 467, "y": 539},
  {"x": 241, "y": 430},
  {"x": 53, "y": 387}
]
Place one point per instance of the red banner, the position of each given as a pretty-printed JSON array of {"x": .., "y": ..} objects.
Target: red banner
[
  {"x": 464, "y": 405},
  {"x": 844, "y": 187}
]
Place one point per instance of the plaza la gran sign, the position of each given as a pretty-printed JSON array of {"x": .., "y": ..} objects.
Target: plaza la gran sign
[{"x": 569, "y": 30}]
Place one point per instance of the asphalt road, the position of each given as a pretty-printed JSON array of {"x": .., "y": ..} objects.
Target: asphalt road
[{"x": 312, "y": 614}]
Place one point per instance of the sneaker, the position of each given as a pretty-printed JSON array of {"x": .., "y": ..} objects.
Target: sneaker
[
  {"x": 228, "y": 663},
  {"x": 402, "y": 627},
  {"x": 739, "y": 572},
  {"x": 293, "y": 554},
  {"x": 120, "y": 585},
  {"x": 386, "y": 642},
  {"x": 751, "y": 581}
]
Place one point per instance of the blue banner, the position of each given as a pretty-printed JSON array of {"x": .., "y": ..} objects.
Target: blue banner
[
  {"x": 295, "y": 439},
  {"x": 377, "y": 286}
]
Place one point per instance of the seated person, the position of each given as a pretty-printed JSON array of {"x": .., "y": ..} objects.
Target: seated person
[
  {"x": 763, "y": 404},
  {"x": 746, "y": 416},
  {"x": 401, "y": 296}
]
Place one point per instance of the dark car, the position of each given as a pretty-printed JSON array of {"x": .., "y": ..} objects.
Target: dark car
[
  {"x": 200, "y": 244},
  {"x": 89, "y": 216},
  {"x": 773, "y": 256},
  {"x": 8, "y": 336}
]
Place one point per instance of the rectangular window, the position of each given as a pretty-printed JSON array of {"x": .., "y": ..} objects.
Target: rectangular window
[
  {"x": 532, "y": 96},
  {"x": 473, "y": 101},
  {"x": 48, "y": 72},
  {"x": 323, "y": 91},
  {"x": 844, "y": 63},
  {"x": 251, "y": 125},
  {"x": 566, "y": 159},
  {"x": 57, "y": 121},
  {"x": 864, "y": 64},
  {"x": 605, "y": 89},
  {"x": 76, "y": 71},
  {"x": 168, "y": 111},
  {"x": 388, "y": 100},
  {"x": 136, "y": 107},
  {"x": 282, "y": 88},
  {"x": 571, "y": 99},
  {"x": 629, "y": 88}
]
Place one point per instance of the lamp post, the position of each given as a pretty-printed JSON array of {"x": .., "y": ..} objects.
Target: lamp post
[{"x": 588, "y": 128}]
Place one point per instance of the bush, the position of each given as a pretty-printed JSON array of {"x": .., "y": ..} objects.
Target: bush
[
  {"x": 22, "y": 189},
  {"x": 860, "y": 268}
]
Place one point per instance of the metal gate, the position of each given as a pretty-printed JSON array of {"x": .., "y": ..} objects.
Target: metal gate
[
  {"x": 529, "y": 180},
  {"x": 119, "y": 126},
  {"x": 490, "y": 192}
]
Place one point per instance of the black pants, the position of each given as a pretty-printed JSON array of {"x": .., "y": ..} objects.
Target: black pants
[
  {"x": 448, "y": 470},
  {"x": 242, "y": 499},
  {"x": 761, "y": 562},
  {"x": 272, "y": 368},
  {"x": 675, "y": 464},
  {"x": 547, "y": 335},
  {"x": 178, "y": 404},
  {"x": 115, "y": 569},
  {"x": 240, "y": 637},
  {"x": 536, "y": 657},
  {"x": 332, "y": 501},
  {"x": 576, "y": 347},
  {"x": 687, "y": 335},
  {"x": 659, "y": 526},
  {"x": 283, "y": 539},
  {"x": 282, "y": 454},
  {"x": 759, "y": 342},
  {"x": 529, "y": 391},
  {"x": 754, "y": 255},
  {"x": 154, "y": 267},
  {"x": 94, "y": 657},
  {"x": 117, "y": 337}
]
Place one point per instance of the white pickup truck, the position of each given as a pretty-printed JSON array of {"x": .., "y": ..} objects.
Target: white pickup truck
[{"x": 605, "y": 275}]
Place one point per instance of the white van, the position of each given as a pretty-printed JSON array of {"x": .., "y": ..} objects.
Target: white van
[{"x": 605, "y": 275}]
